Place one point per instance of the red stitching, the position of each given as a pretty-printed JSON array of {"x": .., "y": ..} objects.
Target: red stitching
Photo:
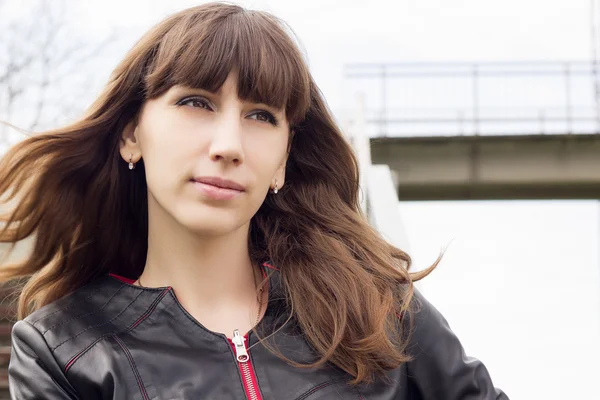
[
  {"x": 138, "y": 378},
  {"x": 81, "y": 353},
  {"x": 123, "y": 279},
  {"x": 150, "y": 309},
  {"x": 139, "y": 321},
  {"x": 270, "y": 266}
]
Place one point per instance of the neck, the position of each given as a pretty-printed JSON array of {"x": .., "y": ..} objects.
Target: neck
[{"x": 203, "y": 271}]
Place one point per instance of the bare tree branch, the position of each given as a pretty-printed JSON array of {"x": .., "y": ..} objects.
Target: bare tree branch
[{"x": 39, "y": 57}]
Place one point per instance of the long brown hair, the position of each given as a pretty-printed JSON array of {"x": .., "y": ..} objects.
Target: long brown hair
[{"x": 69, "y": 189}]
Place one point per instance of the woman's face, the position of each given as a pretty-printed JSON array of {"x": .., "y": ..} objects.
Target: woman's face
[{"x": 191, "y": 140}]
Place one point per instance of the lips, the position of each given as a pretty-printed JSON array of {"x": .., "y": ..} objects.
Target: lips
[{"x": 219, "y": 182}]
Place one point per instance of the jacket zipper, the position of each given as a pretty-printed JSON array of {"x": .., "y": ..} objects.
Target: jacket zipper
[{"x": 245, "y": 365}]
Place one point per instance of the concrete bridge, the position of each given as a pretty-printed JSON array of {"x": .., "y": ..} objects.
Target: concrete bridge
[
  {"x": 492, "y": 167},
  {"x": 460, "y": 131}
]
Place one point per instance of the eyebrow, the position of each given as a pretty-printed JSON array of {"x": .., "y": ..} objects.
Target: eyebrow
[{"x": 180, "y": 87}]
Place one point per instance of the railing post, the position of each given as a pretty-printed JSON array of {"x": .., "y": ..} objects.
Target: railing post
[
  {"x": 596, "y": 94},
  {"x": 461, "y": 123},
  {"x": 362, "y": 147},
  {"x": 569, "y": 110},
  {"x": 594, "y": 43},
  {"x": 475, "y": 100},
  {"x": 383, "y": 126}
]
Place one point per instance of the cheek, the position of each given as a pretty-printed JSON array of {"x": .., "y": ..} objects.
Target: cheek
[
  {"x": 264, "y": 157},
  {"x": 165, "y": 150}
]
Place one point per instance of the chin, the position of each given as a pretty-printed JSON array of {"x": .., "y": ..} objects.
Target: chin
[{"x": 211, "y": 224}]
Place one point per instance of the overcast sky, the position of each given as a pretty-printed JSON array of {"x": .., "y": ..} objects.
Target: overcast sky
[{"x": 336, "y": 32}]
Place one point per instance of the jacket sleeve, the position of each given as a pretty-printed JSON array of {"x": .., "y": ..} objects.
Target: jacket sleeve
[
  {"x": 440, "y": 369},
  {"x": 33, "y": 373}
]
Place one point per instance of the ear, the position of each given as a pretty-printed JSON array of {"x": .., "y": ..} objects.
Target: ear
[
  {"x": 280, "y": 174},
  {"x": 130, "y": 145},
  {"x": 290, "y": 140}
]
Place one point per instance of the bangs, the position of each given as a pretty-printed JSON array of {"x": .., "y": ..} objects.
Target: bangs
[{"x": 202, "y": 48}]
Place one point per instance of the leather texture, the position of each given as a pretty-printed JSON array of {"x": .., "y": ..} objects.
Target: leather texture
[{"x": 113, "y": 340}]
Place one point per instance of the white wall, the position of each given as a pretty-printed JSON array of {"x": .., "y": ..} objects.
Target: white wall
[{"x": 520, "y": 285}]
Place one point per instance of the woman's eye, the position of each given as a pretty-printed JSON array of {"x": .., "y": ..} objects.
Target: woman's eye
[
  {"x": 196, "y": 102},
  {"x": 265, "y": 116},
  {"x": 199, "y": 102}
]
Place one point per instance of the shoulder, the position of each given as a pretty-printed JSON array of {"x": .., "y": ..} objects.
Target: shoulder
[
  {"x": 76, "y": 322},
  {"x": 424, "y": 317},
  {"x": 97, "y": 302},
  {"x": 430, "y": 335},
  {"x": 440, "y": 368}
]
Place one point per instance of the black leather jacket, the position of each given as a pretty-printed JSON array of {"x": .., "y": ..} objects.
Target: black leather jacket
[{"x": 114, "y": 340}]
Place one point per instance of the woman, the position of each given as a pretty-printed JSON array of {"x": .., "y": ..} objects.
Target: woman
[{"x": 198, "y": 236}]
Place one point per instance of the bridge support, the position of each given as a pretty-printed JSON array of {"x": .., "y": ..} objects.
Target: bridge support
[{"x": 492, "y": 167}]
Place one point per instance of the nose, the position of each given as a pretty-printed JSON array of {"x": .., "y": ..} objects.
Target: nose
[{"x": 227, "y": 138}]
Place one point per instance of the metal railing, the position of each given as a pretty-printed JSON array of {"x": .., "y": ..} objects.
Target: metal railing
[{"x": 478, "y": 98}]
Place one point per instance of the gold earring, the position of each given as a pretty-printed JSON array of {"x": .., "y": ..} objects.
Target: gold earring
[{"x": 131, "y": 164}]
